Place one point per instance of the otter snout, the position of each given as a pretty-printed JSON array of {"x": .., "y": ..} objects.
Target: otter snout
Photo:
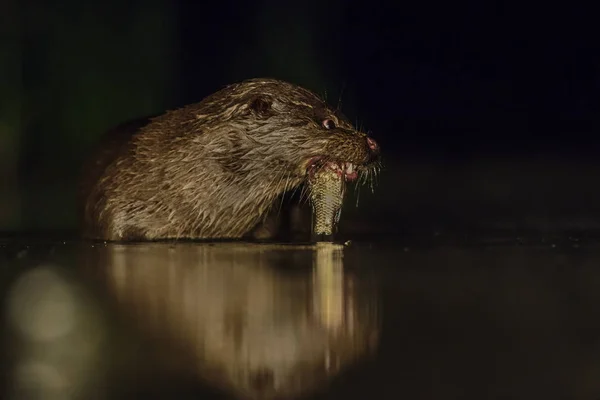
[
  {"x": 353, "y": 147},
  {"x": 373, "y": 152},
  {"x": 372, "y": 144}
]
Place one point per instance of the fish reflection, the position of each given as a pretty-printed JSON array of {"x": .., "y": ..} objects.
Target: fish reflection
[{"x": 261, "y": 321}]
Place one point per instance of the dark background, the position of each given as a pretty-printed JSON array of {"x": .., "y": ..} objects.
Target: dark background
[{"x": 487, "y": 113}]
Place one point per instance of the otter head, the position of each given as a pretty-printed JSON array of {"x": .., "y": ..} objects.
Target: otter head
[{"x": 289, "y": 133}]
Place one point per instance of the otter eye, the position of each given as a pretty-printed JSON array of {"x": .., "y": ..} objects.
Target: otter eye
[{"x": 328, "y": 124}]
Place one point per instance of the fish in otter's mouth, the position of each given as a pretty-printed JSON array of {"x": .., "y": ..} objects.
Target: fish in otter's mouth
[{"x": 327, "y": 183}]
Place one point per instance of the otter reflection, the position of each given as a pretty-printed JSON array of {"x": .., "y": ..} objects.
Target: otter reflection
[{"x": 262, "y": 321}]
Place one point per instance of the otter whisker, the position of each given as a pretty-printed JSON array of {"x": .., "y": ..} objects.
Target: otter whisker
[
  {"x": 339, "y": 104},
  {"x": 304, "y": 194},
  {"x": 287, "y": 182}
]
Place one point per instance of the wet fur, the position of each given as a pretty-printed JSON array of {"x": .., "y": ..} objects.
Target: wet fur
[{"x": 213, "y": 169}]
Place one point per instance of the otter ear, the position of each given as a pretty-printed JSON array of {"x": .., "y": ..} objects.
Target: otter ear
[{"x": 262, "y": 106}]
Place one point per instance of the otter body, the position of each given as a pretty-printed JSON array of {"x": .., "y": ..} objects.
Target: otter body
[{"x": 216, "y": 168}]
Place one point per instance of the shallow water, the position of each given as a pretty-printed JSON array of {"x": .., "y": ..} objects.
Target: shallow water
[{"x": 445, "y": 318}]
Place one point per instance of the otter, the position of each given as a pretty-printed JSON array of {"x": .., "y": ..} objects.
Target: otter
[{"x": 216, "y": 169}]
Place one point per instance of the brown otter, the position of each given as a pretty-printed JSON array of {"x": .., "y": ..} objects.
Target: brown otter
[{"x": 215, "y": 169}]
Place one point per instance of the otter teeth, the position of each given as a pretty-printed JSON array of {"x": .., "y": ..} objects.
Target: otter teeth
[{"x": 347, "y": 170}]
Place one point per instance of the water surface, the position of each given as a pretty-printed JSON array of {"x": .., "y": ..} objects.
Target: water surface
[{"x": 493, "y": 317}]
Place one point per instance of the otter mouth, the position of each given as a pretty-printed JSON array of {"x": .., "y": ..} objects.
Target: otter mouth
[{"x": 346, "y": 170}]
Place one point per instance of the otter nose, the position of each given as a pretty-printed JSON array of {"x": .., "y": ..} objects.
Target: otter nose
[{"x": 372, "y": 145}]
